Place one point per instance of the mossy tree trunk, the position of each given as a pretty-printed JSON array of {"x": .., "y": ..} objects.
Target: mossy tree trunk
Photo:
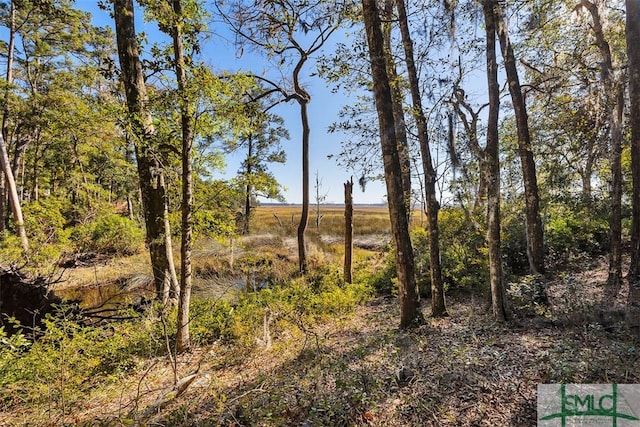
[{"x": 150, "y": 169}]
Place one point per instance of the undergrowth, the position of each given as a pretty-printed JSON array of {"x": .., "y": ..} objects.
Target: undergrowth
[{"x": 70, "y": 360}]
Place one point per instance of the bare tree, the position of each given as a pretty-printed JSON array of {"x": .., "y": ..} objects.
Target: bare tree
[
  {"x": 348, "y": 230},
  {"x": 320, "y": 198}
]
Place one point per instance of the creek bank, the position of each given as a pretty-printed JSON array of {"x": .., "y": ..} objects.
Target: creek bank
[{"x": 25, "y": 297}]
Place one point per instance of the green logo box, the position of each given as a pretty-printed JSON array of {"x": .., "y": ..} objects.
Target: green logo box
[{"x": 592, "y": 405}]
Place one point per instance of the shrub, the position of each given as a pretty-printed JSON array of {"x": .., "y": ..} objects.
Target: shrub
[
  {"x": 299, "y": 302},
  {"x": 574, "y": 230},
  {"x": 209, "y": 320},
  {"x": 529, "y": 294},
  {"x": 463, "y": 255},
  {"x": 45, "y": 222},
  {"x": 111, "y": 234},
  {"x": 420, "y": 241},
  {"x": 69, "y": 360},
  {"x": 514, "y": 240},
  {"x": 382, "y": 279},
  {"x": 10, "y": 248},
  {"x": 463, "y": 252},
  {"x": 45, "y": 226}
]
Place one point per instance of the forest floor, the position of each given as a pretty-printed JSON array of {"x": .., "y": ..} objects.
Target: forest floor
[{"x": 360, "y": 369}]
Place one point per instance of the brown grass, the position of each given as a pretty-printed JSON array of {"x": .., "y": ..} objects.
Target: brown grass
[{"x": 284, "y": 220}]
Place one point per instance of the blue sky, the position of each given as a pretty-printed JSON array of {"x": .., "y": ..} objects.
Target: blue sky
[{"x": 323, "y": 110}]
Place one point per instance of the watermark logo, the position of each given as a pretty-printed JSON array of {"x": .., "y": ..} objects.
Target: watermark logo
[{"x": 593, "y": 405}]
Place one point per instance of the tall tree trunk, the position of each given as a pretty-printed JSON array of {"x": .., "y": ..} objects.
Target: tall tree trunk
[
  {"x": 493, "y": 165},
  {"x": 409, "y": 311},
  {"x": 398, "y": 110},
  {"x": 3, "y": 204},
  {"x": 19, "y": 150},
  {"x": 615, "y": 106},
  {"x": 5, "y": 113},
  {"x": 150, "y": 170},
  {"x": 348, "y": 230},
  {"x": 304, "y": 217},
  {"x": 534, "y": 231},
  {"x": 13, "y": 196},
  {"x": 9, "y": 180},
  {"x": 248, "y": 188},
  {"x": 633, "y": 55},
  {"x": 130, "y": 213},
  {"x": 615, "y": 221},
  {"x": 303, "y": 98},
  {"x": 186, "y": 112},
  {"x": 438, "y": 307},
  {"x": 585, "y": 176}
]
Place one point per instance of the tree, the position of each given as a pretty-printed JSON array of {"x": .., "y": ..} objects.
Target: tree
[
  {"x": 493, "y": 164},
  {"x": 534, "y": 230},
  {"x": 13, "y": 195},
  {"x": 260, "y": 137},
  {"x": 348, "y": 230},
  {"x": 320, "y": 198},
  {"x": 281, "y": 29},
  {"x": 49, "y": 35},
  {"x": 55, "y": 43},
  {"x": 438, "y": 307},
  {"x": 614, "y": 102},
  {"x": 409, "y": 312},
  {"x": 9, "y": 180},
  {"x": 633, "y": 55},
  {"x": 397, "y": 96},
  {"x": 150, "y": 169},
  {"x": 469, "y": 118},
  {"x": 183, "y": 341}
]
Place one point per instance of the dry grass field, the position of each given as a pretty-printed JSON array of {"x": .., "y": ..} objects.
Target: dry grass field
[{"x": 285, "y": 218}]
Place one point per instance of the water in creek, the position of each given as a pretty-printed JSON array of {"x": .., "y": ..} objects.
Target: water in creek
[
  {"x": 106, "y": 296},
  {"x": 129, "y": 292}
]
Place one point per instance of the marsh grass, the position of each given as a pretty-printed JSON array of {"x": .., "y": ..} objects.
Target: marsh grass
[
  {"x": 109, "y": 271},
  {"x": 284, "y": 220}
]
